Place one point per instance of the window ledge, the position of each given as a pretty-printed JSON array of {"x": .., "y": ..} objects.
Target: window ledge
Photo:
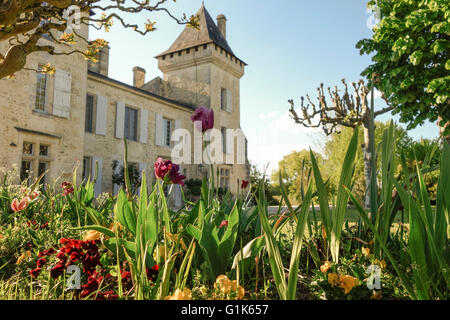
[{"x": 42, "y": 113}]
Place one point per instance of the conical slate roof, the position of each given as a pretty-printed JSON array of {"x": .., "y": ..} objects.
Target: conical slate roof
[{"x": 208, "y": 32}]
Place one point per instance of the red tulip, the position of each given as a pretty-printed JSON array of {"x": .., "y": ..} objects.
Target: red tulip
[
  {"x": 203, "y": 118},
  {"x": 244, "y": 184},
  {"x": 162, "y": 168},
  {"x": 169, "y": 172}
]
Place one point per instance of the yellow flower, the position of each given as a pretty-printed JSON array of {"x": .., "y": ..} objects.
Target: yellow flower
[
  {"x": 1, "y": 236},
  {"x": 376, "y": 295},
  {"x": 186, "y": 294},
  {"x": 333, "y": 279},
  {"x": 381, "y": 263},
  {"x": 348, "y": 283},
  {"x": 92, "y": 235},
  {"x": 162, "y": 253},
  {"x": 23, "y": 256},
  {"x": 235, "y": 288},
  {"x": 203, "y": 290},
  {"x": 177, "y": 239},
  {"x": 324, "y": 268},
  {"x": 365, "y": 251},
  {"x": 222, "y": 281}
]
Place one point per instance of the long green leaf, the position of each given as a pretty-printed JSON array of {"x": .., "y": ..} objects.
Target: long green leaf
[{"x": 297, "y": 246}]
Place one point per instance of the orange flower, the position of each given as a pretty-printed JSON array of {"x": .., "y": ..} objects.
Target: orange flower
[
  {"x": 348, "y": 283},
  {"x": 24, "y": 256},
  {"x": 381, "y": 263},
  {"x": 333, "y": 279},
  {"x": 376, "y": 295},
  {"x": 365, "y": 252},
  {"x": 324, "y": 268},
  {"x": 92, "y": 235},
  {"x": 186, "y": 294}
]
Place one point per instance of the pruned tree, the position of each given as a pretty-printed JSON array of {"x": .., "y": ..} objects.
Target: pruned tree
[
  {"x": 24, "y": 22},
  {"x": 348, "y": 110}
]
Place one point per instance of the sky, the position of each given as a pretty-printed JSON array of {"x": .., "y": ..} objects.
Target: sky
[{"x": 290, "y": 46}]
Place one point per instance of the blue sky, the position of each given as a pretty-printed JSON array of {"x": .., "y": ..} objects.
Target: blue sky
[{"x": 291, "y": 46}]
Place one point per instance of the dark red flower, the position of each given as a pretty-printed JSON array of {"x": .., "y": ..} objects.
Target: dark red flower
[
  {"x": 244, "y": 184},
  {"x": 175, "y": 176},
  {"x": 162, "y": 167},
  {"x": 48, "y": 252},
  {"x": 57, "y": 270},
  {"x": 168, "y": 171},
  {"x": 152, "y": 274},
  {"x": 67, "y": 188},
  {"x": 203, "y": 118},
  {"x": 40, "y": 263},
  {"x": 110, "y": 295},
  {"x": 34, "y": 273}
]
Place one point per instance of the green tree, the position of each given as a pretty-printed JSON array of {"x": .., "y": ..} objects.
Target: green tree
[
  {"x": 256, "y": 178},
  {"x": 334, "y": 156},
  {"x": 411, "y": 58},
  {"x": 294, "y": 169}
]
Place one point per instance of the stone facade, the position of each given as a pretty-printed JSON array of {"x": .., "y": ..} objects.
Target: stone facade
[{"x": 87, "y": 114}]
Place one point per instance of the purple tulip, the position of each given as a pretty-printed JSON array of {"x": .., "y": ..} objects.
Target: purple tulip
[{"x": 205, "y": 117}]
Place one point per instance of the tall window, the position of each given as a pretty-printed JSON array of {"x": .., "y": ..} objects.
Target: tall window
[
  {"x": 223, "y": 99},
  {"x": 131, "y": 118},
  {"x": 42, "y": 171},
  {"x": 87, "y": 167},
  {"x": 89, "y": 118},
  {"x": 41, "y": 85},
  {"x": 224, "y": 178},
  {"x": 167, "y": 131},
  {"x": 35, "y": 157}
]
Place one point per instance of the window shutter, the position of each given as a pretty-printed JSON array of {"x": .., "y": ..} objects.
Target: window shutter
[
  {"x": 119, "y": 167},
  {"x": 120, "y": 119},
  {"x": 62, "y": 93},
  {"x": 98, "y": 183},
  {"x": 144, "y": 124},
  {"x": 229, "y": 101},
  {"x": 102, "y": 108},
  {"x": 159, "y": 127}
]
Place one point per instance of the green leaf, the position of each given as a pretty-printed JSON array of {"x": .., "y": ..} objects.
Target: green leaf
[
  {"x": 297, "y": 245},
  {"x": 416, "y": 57}
]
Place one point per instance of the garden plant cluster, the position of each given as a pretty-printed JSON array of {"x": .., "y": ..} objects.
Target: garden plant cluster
[{"x": 229, "y": 247}]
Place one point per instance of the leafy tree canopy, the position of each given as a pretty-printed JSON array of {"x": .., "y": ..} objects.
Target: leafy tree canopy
[{"x": 411, "y": 58}]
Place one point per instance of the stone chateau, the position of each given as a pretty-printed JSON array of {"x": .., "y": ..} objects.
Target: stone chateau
[{"x": 79, "y": 115}]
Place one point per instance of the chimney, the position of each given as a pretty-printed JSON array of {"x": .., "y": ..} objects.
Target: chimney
[
  {"x": 222, "y": 24},
  {"x": 102, "y": 66},
  {"x": 138, "y": 77}
]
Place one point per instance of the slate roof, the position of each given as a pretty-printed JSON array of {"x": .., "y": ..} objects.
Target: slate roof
[{"x": 208, "y": 33}]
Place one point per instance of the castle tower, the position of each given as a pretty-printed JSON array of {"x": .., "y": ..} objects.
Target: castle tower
[{"x": 200, "y": 69}]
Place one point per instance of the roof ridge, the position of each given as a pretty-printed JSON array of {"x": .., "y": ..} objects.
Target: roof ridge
[{"x": 208, "y": 32}]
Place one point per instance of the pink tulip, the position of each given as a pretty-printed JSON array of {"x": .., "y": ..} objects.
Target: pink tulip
[{"x": 203, "y": 118}]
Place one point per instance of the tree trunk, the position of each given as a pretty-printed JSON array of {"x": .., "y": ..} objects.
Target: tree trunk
[
  {"x": 367, "y": 166},
  {"x": 442, "y": 129}
]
